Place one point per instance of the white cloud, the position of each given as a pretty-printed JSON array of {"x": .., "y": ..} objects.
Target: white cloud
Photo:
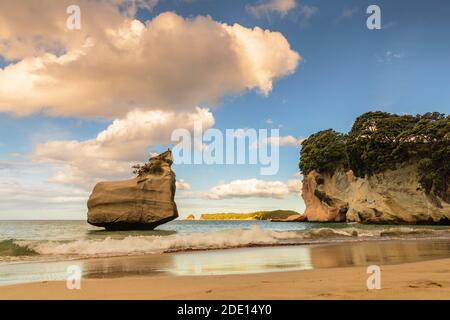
[
  {"x": 298, "y": 174},
  {"x": 169, "y": 63},
  {"x": 14, "y": 191},
  {"x": 7, "y": 165},
  {"x": 295, "y": 186},
  {"x": 389, "y": 57},
  {"x": 182, "y": 185},
  {"x": 266, "y": 7},
  {"x": 348, "y": 13},
  {"x": 31, "y": 28},
  {"x": 111, "y": 154},
  {"x": 253, "y": 188},
  {"x": 307, "y": 12},
  {"x": 133, "y": 5},
  {"x": 283, "y": 141},
  {"x": 287, "y": 141}
]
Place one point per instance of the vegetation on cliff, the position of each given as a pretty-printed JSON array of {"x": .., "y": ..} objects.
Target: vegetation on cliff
[
  {"x": 379, "y": 141},
  {"x": 324, "y": 151}
]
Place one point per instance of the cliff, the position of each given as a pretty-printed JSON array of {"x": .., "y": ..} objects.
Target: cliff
[
  {"x": 141, "y": 203},
  {"x": 389, "y": 169},
  {"x": 391, "y": 197}
]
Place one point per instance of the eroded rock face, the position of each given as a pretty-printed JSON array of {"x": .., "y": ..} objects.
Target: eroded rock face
[
  {"x": 141, "y": 203},
  {"x": 321, "y": 205},
  {"x": 392, "y": 197}
]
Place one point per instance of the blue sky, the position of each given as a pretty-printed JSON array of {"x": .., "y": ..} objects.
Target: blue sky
[{"x": 346, "y": 70}]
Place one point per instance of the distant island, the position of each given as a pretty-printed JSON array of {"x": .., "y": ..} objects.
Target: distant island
[{"x": 259, "y": 215}]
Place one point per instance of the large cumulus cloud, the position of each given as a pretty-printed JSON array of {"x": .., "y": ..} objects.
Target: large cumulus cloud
[
  {"x": 112, "y": 152},
  {"x": 168, "y": 63},
  {"x": 148, "y": 78}
]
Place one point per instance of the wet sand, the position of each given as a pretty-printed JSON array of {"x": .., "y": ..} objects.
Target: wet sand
[
  {"x": 409, "y": 270},
  {"x": 420, "y": 280}
]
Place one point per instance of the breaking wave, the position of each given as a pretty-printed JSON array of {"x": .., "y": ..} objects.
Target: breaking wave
[
  {"x": 255, "y": 236},
  {"x": 11, "y": 248},
  {"x": 160, "y": 244}
]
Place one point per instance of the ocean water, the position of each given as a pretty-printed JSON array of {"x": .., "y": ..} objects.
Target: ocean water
[
  {"x": 65, "y": 240},
  {"x": 42, "y": 250}
]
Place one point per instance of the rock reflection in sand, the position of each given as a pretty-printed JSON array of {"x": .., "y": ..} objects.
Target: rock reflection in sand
[
  {"x": 308, "y": 257},
  {"x": 248, "y": 260},
  {"x": 380, "y": 253}
]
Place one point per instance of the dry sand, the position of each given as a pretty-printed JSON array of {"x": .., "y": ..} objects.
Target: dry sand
[{"x": 421, "y": 280}]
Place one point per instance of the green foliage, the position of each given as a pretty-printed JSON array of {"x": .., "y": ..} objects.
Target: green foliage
[
  {"x": 152, "y": 167},
  {"x": 379, "y": 141},
  {"x": 324, "y": 152},
  {"x": 375, "y": 142},
  {"x": 432, "y": 148}
]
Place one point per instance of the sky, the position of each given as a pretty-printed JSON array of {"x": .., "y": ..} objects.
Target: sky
[{"x": 81, "y": 106}]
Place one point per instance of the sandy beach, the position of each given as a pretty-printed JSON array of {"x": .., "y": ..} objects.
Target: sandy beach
[{"x": 420, "y": 280}]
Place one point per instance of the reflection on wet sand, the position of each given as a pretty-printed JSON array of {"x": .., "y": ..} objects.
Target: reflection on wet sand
[
  {"x": 127, "y": 266},
  {"x": 308, "y": 257},
  {"x": 248, "y": 260},
  {"x": 236, "y": 261},
  {"x": 380, "y": 253}
]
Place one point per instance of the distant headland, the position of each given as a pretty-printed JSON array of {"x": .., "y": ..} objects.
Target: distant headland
[{"x": 259, "y": 215}]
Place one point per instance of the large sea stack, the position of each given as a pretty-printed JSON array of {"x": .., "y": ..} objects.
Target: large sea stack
[
  {"x": 389, "y": 169},
  {"x": 142, "y": 203}
]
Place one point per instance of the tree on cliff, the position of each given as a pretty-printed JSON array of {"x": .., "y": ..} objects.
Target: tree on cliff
[
  {"x": 379, "y": 141},
  {"x": 432, "y": 147},
  {"x": 324, "y": 152},
  {"x": 375, "y": 140}
]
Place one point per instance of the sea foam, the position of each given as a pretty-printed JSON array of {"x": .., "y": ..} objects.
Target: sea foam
[
  {"x": 255, "y": 236},
  {"x": 159, "y": 244}
]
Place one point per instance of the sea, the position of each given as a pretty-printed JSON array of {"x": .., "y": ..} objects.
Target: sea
[{"x": 42, "y": 250}]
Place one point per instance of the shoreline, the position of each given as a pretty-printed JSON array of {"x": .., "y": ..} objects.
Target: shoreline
[
  {"x": 418, "y": 280},
  {"x": 409, "y": 270},
  {"x": 305, "y": 243}
]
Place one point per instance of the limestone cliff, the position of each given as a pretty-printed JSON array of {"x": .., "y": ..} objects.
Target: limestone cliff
[
  {"x": 141, "y": 203},
  {"x": 391, "y": 197}
]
